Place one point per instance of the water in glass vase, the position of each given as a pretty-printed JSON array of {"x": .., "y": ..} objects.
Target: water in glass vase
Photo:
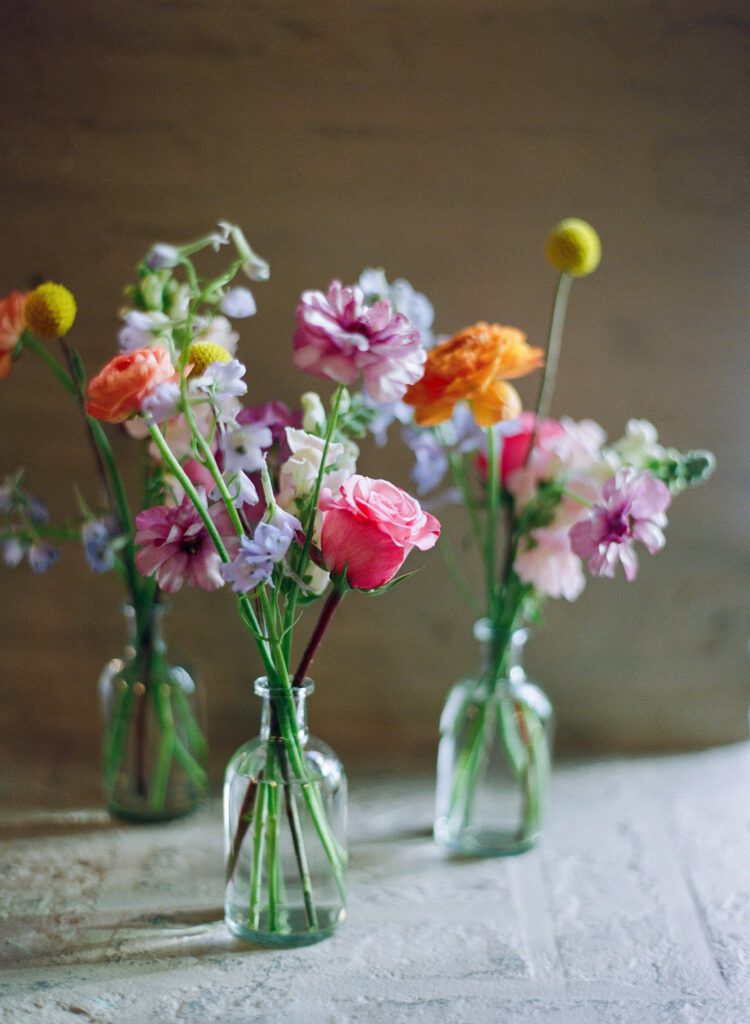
[
  {"x": 285, "y": 828},
  {"x": 155, "y": 751},
  {"x": 494, "y": 756}
]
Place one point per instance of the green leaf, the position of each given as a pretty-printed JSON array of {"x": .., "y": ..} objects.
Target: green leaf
[{"x": 377, "y": 591}]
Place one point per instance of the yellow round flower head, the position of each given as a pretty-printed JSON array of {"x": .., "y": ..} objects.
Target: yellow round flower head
[
  {"x": 573, "y": 247},
  {"x": 203, "y": 353},
  {"x": 50, "y": 310}
]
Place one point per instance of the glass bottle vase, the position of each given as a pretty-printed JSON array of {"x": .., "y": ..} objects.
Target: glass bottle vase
[
  {"x": 155, "y": 751},
  {"x": 285, "y": 828},
  {"x": 494, "y": 756}
]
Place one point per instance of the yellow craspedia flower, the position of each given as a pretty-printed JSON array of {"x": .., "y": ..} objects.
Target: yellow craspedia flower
[
  {"x": 573, "y": 247},
  {"x": 203, "y": 353},
  {"x": 50, "y": 310}
]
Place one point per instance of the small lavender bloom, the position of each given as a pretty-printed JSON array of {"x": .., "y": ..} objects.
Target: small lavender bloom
[
  {"x": 238, "y": 303},
  {"x": 42, "y": 556},
  {"x": 140, "y": 329},
  {"x": 161, "y": 402},
  {"x": 403, "y": 297},
  {"x": 384, "y": 416},
  {"x": 37, "y": 510},
  {"x": 285, "y": 522},
  {"x": 97, "y": 546},
  {"x": 243, "y": 447},
  {"x": 256, "y": 558},
  {"x": 431, "y": 463},
  {"x": 13, "y": 552},
  {"x": 241, "y": 490},
  {"x": 253, "y": 266},
  {"x": 222, "y": 380},
  {"x": 461, "y": 431},
  {"x": 163, "y": 257}
]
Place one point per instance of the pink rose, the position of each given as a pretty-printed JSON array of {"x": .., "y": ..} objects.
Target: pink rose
[
  {"x": 119, "y": 389},
  {"x": 369, "y": 527},
  {"x": 11, "y": 328}
]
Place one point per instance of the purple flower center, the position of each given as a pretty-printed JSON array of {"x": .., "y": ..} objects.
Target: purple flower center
[
  {"x": 191, "y": 545},
  {"x": 618, "y": 527}
]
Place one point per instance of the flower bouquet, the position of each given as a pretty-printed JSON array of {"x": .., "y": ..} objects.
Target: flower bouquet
[
  {"x": 155, "y": 751},
  {"x": 544, "y": 498},
  {"x": 268, "y": 501}
]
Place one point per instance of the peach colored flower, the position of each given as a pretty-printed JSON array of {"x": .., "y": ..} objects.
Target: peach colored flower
[
  {"x": 11, "y": 328},
  {"x": 473, "y": 366},
  {"x": 119, "y": 389}
]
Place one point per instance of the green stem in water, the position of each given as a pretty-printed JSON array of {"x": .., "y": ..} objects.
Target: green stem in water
[{"x": 493, "y": 494}]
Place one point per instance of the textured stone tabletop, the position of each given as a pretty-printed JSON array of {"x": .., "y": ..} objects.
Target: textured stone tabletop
[{"x": 635, "y": 908}]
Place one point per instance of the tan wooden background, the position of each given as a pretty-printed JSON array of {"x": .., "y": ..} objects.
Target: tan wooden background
[{"x": 439, "y": 140}]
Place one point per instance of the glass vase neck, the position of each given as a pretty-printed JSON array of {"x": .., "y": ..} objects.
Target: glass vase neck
[
  {"x": 274, "y": 696},
  {"x": 147, "y": 632},
  {"x": 507, "y": 663}
]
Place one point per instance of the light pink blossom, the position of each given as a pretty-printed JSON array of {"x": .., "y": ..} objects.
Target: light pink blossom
[
  {"x": 176, "y": 547},
  {"x": 338, "y": 336},
  {"x": 548, "y": 562},
  {"x": 632, "y": 508}
]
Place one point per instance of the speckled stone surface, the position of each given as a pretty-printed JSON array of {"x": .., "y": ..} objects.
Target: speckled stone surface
[{"x": 634, "y": 908}]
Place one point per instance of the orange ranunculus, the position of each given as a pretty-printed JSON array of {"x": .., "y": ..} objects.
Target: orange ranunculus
[
  {"x": 119, "y": 389},
  {"x": 11, "y": 328},
  {"x": 473, "y": 367}
]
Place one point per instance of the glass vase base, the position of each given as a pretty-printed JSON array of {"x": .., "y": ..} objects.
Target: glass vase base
[
  {"x": 146, "y": 815},
  {"x": 293, "y": 928},
  {"x": 489, "y": 843}
]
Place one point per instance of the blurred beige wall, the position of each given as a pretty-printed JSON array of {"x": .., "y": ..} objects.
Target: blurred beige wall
[{"x": 440, "y": 141}]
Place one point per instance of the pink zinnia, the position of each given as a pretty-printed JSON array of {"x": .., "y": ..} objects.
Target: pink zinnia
[
  {"x": 339, "y": 337},
  {"x": 176, "y": 547},
  {"x": 632, "y": 508}
]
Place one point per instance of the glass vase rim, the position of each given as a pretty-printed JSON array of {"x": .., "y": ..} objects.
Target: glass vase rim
[{"x": 261, "y": 688}]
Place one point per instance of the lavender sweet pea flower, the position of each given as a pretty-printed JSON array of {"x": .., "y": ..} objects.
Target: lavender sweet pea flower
[
  {"x": 14, "y": 550},
  {"x": 385, "y": 415},
  {"x": 256, "y": 558},
  {"x": 431, "y": 463},
  {"x": 243, "y": 447},
  {"x": 403, "y": 297},
  {"x": 222, "y": 380},
  {"x": 42, "y": 556},
  {"x": 141, "y": 329},
  {"x": 238, "y": 303},
  {"x": 163, "y": 257},
  {"x": 241, "y": 489},
  {"x": 161, "y": 402},
  {"x": 97, "y": 546}
]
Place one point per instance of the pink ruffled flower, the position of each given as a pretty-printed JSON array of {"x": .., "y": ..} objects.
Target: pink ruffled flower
[
  {"x": 339, "y": 337},
  {"x": 369, "y": 527},
  {"x": 632, "y": 508},
  {"x": 176, "y": 547}
]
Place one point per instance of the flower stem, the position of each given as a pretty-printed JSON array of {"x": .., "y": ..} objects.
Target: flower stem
[
  {"x": 552, "y": 358},
  {"x": 493, "y": 487},
  {"x": 40, "y": 350},
  {"x": 332, "y": 602}
]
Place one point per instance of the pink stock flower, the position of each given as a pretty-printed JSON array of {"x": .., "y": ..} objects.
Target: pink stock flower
[
  {"x": 369, "y": 527},
  {"x": 550, "y": 564},
  {"x": 339, "y": 337},
  {"x": 11, "y": 328},
  {"x": 632, "y": 508},
  {"x": 176, "y": 547}
]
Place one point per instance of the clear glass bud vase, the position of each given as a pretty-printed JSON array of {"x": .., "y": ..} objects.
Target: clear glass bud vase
[
  {"x": 494, "y": 755},
  {"x": 285, "y": 828},
  {"x": 155, "y": 751}
]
